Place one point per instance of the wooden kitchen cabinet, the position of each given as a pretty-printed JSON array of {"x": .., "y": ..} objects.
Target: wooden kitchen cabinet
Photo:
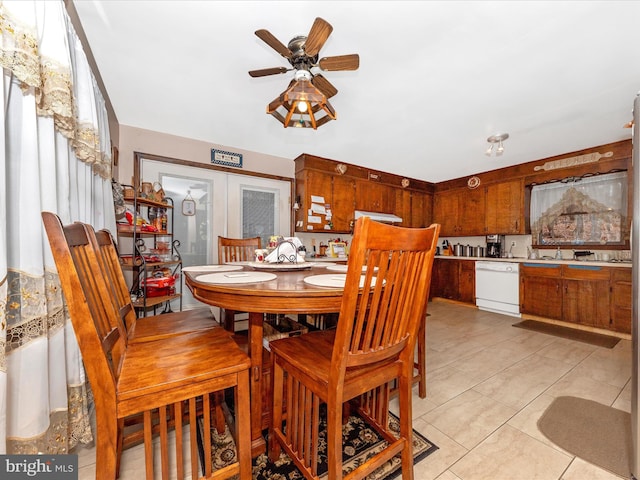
[
  {"x": 421, "y": 208},
  {"x": 541, "y": 290},
  {"x": 467, "y": 281},
  {"x": 460, "y": 212},
  {"x": 586, "y": 295},
  {"x": 343, "y": 197},
  {"x": 504, "y": 211},
  {"x": 445, "y": 212},
  {"x": 453, "y": 279},
  {"x": 346, "y": 188},
  {"x": 621, "y": 300},
  {"x": 495, "y": 209},
  {"x": 590, "y": 295},
  {"x": 375, "y": 197}
]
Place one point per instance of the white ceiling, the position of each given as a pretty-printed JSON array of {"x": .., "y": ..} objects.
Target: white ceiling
[{"x": 436, "y": 78}]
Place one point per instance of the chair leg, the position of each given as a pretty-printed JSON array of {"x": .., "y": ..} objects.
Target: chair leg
[
  {"x": 277, "y": 379},
  {"x": 334, "y": 442},
  {"x": 422, "y": 354},
  {"x": 243, "y": 425},
  {"x": 228, "y": 319},
  {"x": 107, "y": 461},
  {"x": 406, "y": 426}
]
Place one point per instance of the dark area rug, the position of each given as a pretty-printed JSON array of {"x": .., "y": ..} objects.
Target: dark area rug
[
  {"x": 597, "y": 433},
  {"x": 606, "y": 341},
  {"x": 360, "y": 442}
]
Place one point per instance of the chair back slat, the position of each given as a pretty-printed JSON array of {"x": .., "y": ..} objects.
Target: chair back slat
[
  {"x": 386, "y": 293},
  {"x": 100, "y": 334},
  {"x": 112, "y": 269},
  {"x": 237, "y": 249}
]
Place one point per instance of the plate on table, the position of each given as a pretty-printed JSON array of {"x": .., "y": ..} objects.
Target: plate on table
[
  {"x": 211, "y": 268},
  {"x": 282, "y": 267},
  {"x": 343, "y": 268},
  {"x": 236, "y": 277},
  {"x": 333, "y": 280}
]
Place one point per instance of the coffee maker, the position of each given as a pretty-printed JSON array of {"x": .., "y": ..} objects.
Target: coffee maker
[{"x": 495, "y": 244}]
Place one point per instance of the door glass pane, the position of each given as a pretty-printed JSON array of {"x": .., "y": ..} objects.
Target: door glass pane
[{"x": 258, "y": 214}]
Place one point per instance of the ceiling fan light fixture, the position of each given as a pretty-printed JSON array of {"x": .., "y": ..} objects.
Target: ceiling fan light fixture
[
  {"x": 492, "y": 140},
  {"x": 302, "y": 105},
  {"x": 308, "y": 93}
]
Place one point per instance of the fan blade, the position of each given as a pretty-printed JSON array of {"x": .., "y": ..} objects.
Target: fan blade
[
  {"x": 324, "y": 86},
  {"x": 341, "y": 62},
  {"x": 274, "y": 43},
  {"x": 320, "y": 31},
  {"x": 267, "y": 71}
]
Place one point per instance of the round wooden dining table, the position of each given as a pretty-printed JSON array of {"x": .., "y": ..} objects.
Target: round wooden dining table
[{"x": 286, "y": 293}]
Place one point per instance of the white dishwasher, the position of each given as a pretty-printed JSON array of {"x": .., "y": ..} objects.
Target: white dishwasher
[{"x": 498, "y": 287}]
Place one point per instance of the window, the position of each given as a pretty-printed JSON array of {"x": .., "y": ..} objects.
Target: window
[{"x": 586, "y": 211}]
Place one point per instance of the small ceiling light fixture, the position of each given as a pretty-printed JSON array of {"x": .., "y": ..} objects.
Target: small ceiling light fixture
[
  {"x": 493, "y": 139},
  {"x": 304, "y": 100}
]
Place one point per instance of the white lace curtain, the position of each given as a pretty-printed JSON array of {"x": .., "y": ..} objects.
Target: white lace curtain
[
  {"x": 580, "y": 211},
  {"x": 55, "y": 157}
]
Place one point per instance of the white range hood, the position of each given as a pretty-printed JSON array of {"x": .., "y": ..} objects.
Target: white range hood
[{"x": 379, "y": 217}]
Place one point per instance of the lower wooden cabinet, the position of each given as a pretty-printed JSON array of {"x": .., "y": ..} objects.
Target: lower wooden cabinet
[
  {"x": 589, "y": 295},
  {"x": 621, "y": 300},
  {"x": 454, "y": 279},
  {"x": 586, "y": 295},
  {"x": 541, "y": 290}
]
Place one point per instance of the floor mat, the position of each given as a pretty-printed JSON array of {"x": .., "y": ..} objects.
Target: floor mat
[
  {"x": 599, "y": 434},
  {"x": 360, "y": 441}
]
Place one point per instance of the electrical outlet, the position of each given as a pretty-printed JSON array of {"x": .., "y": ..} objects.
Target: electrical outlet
[{"x": 513, "y": 244}]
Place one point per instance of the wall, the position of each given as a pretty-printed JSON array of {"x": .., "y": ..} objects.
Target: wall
[{"x": 134, "y": 139}]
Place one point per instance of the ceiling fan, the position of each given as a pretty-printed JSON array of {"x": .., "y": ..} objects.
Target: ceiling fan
[{"x": 302, "y": 52}]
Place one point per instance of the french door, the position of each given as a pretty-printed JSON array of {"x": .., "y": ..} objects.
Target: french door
[{"x": 226, "y": 204}]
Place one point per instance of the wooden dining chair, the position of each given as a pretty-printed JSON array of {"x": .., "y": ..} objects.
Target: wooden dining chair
[
  {"x": 151, "y": 327},
  {"x": 169, "y": 381},
  {"x": 235, "y": 250},
  {"x": 372, "y": 345}
]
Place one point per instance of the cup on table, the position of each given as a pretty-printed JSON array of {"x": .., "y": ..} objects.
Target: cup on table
[{"x": 259, "y": 255}]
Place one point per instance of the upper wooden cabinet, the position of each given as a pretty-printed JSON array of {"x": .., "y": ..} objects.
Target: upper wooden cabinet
[
  {"x": 504, "y": 213},
  {"x": 372, "y": 196},
  {"x": 340, "y": 189},
  {"x": 460, "y": 212},
  {"x": 494, "y": 209}
]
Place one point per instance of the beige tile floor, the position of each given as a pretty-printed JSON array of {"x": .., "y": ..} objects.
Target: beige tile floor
[{"x": 487, "y": 385}]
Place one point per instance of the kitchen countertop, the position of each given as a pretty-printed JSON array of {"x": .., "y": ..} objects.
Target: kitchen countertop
[{"x": 551, "y": 261}]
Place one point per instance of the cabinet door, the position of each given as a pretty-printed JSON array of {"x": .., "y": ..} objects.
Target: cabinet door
[
  {"x": 621, "y": 299},
  {"x": 586, "y": 298},
  {"x": 467, "y": 281},
  {"x": 420, "y": 209},
  {"x": 403, "y": 207},
  {"x": 471, "y": 212},
  {"x": 445, "y": 278},
  {"x": 586, "y": 302},
  {"x": 445, "y": 212},
  {"x": 343, "y": 203},
  {"x": 375, "y": 197},
  {"x": 317, "y": 184},
  {"x": 541, "y": 291},
  {"x": 505, "y": 208}
]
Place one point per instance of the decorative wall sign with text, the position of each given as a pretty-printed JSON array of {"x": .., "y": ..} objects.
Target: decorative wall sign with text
[{"x": 229, "y": 159}]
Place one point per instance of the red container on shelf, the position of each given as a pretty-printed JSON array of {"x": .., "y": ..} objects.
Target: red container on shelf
[{"x": 159, "y": 286}]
